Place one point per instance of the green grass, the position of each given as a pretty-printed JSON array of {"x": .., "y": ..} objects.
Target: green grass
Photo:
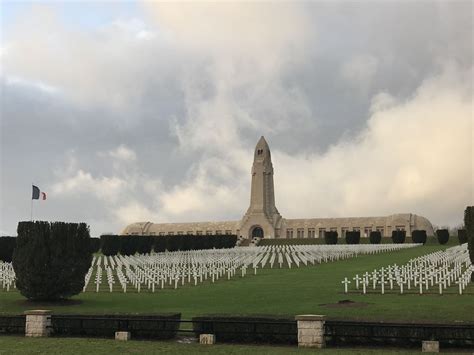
[
  {"x": 21, "y": 345},
  {"x": 277, "y": 292}
]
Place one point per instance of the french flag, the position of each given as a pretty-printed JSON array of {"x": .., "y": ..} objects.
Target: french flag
[{"x": 37, "y": 194}]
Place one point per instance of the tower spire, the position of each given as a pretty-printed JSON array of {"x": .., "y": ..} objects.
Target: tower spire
[{"x": 262, "y": 210}]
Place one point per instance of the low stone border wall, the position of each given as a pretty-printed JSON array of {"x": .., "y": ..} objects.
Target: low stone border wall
[
  {"x": 305, "y": 330},
  {"x": 38, "y": 323}
]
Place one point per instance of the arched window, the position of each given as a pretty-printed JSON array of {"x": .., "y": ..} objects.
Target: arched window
[{"x": 257, "y": 232}]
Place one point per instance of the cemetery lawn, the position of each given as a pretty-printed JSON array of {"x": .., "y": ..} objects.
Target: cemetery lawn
[
  {"x": 21, "y": 345},
  {"x": 304, "y": 290}
]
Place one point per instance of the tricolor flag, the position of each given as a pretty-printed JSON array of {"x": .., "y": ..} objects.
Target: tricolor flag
[{"x": 37, "y": 193}]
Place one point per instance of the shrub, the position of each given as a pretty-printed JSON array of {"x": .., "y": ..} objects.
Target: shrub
[
  {"x": 398, "y": 237},
  {"x": 375, "y": 237},
  {"x": 110, "y": 244},
  {"x": 7, "y": 246},
  {"x": 352, "y": 237},
  {"x": 469, "y": 223},
  {"x": 442, "y": 235},
  {"x": 95, "y": 245},
  {"x": 418, "y": 236},
  {"x": 240, "y": 329},
  {"x": 330, "y": 237},
  {"x": 462, "y": 236},
  {"x": 51, "y": 259}
]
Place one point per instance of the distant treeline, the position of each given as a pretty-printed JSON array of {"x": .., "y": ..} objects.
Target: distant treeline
[{"x": 143, "y": 244}]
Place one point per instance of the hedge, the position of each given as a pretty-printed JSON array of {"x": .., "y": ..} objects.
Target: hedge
[
  {"x": 193, "y": 242},
  {"x": 398, "y": 236},
  {"x": 330, "y": 237},
  {"x": 418, "y": 236},
  {"x": 51, "y": 259},
  {"x": 375, "y": 237},
  {"x": 352, "y": 237},
  {"x": 241, "y": 329},
  {"x": 128, "y": 244},
  {"x": 7, "y": 246},
  {"x": 442, "y": 235},
  {"x": 95, "y": 245},
  {"x": 110, "y": 244},
  {"x": 144, "y": 244},
  {"x": 162, "y": 326}
]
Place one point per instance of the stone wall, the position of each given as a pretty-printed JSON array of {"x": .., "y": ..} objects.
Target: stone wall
[{"x": 38, "y": 323}]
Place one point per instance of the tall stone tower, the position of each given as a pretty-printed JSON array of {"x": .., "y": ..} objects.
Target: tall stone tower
[{"x": 262, "y": 218}]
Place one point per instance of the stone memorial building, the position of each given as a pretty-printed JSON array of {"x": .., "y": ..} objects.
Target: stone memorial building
[{"x": 263, "y": 220}]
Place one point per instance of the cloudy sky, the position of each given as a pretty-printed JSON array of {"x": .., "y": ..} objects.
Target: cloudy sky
[{"x": 131, "y": 111}]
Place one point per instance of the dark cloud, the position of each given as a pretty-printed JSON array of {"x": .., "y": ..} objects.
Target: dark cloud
[{"x": 191, "y": 103}]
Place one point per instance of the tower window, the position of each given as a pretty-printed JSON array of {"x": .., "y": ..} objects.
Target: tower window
[{"x": 259, "y": 151}]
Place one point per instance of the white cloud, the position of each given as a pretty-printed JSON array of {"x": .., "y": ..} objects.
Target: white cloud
[
  {"x": 134, "y": 211},
  {"x": 104, "y": 67},
  {"x": 123, "y": 153},
  {"x": 106, "y": 188},
  {"x": 228, "y": 73},
  {"x": 414, "y": 156}
]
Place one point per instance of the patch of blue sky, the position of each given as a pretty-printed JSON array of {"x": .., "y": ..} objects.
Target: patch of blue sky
[{"x": 79, "y": 15}]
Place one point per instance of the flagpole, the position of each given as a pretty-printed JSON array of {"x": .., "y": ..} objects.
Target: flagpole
[{"x": 31, "y": 209}]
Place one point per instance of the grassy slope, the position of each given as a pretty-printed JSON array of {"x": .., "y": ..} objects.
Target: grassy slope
[
  {"x": 22, "y": 345},
  {"x": 285, "y": 292}
]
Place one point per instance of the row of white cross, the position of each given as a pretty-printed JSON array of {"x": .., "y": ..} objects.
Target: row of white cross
[
  {"x": 433, "y": 272},
  {"x": 173, "y": 269},
  {"x": 7, "y": 276}
]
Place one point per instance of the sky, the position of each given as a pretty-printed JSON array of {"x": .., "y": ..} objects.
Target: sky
[{"x": 146, "y": 111}]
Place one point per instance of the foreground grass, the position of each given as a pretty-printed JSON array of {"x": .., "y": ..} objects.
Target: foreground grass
[
  {"x": 277, "y": 292},
  {"x": 22, "y": 345}
]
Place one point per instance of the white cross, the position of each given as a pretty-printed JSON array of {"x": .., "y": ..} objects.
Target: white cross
[{"x": 345, "y": 282}]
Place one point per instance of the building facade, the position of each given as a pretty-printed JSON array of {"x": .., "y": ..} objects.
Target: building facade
[{"x": 263, "y": 220}]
